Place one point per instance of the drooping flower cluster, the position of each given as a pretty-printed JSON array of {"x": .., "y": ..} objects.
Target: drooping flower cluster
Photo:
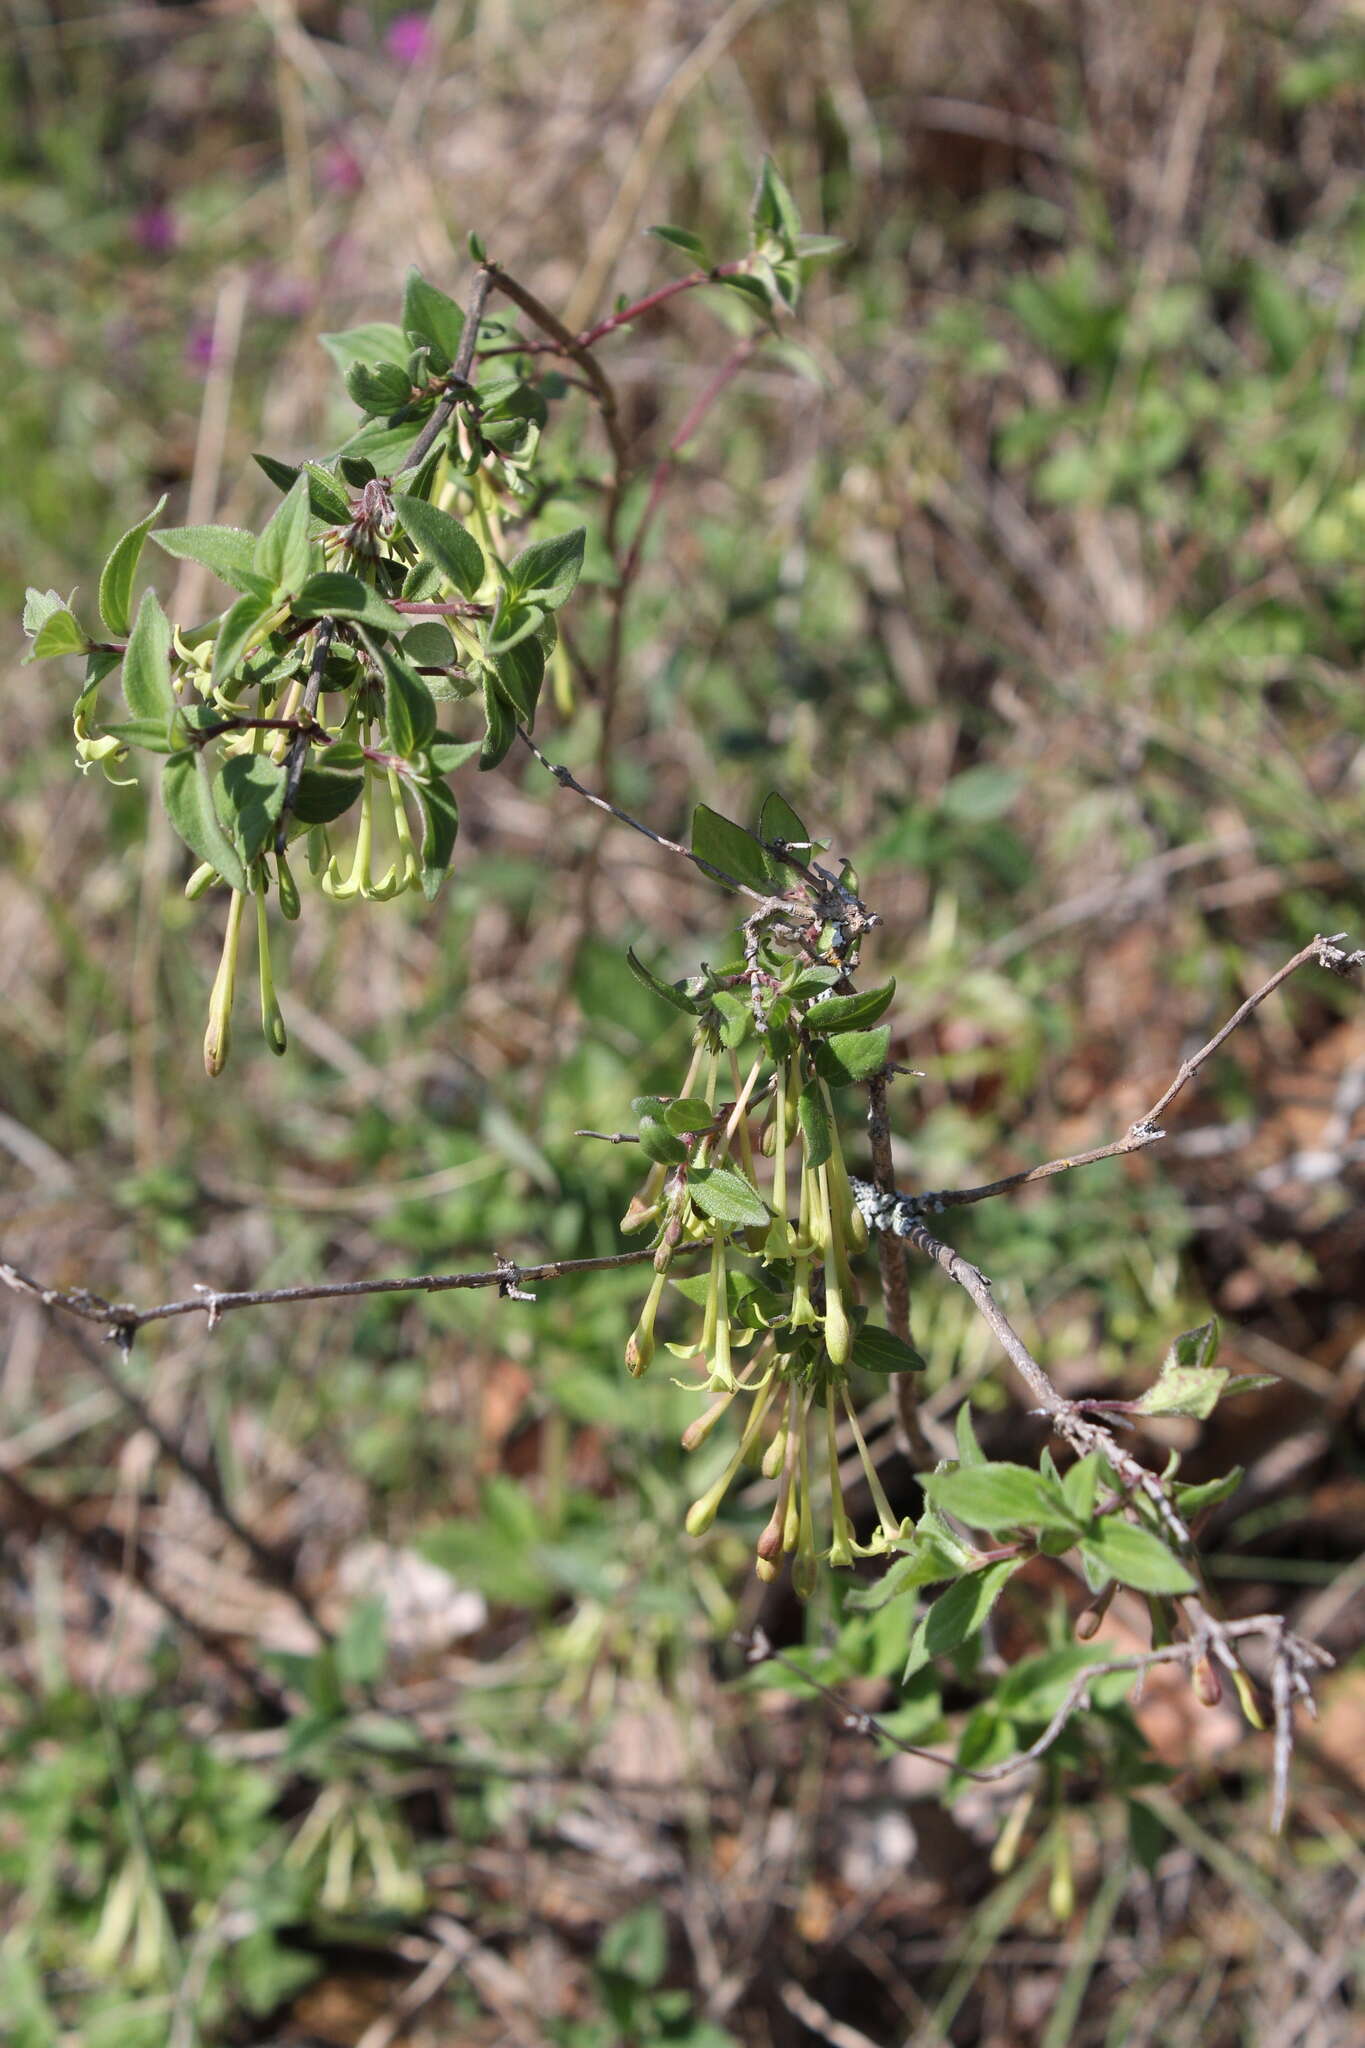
[{"x": 746, "y": 1161}]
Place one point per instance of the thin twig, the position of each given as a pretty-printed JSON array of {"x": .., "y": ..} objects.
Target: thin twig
[
  {"x": 566, "y": 780},
  {"x": 124, "y": 1319},
  {"x": 1323, "y": 950}
]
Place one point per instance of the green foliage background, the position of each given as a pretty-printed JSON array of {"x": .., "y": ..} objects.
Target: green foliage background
[{"x": 1029, "y": 567}]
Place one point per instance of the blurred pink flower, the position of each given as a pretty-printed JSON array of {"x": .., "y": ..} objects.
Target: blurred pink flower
[
  {"x": 155, "y": 229},
  {"x": 340, "y": 169},
  {"x": 199, "y": 346},
  {"x": 408, "y": 38}
]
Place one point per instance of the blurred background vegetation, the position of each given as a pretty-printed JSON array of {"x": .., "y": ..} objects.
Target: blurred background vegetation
[{"x": 1028, "y": 567}]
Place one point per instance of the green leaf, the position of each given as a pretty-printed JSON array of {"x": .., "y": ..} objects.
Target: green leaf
[
  {"x": 326, "y": 498},
  {"x": 546, "y": 572},
  {"x": 332, "y": 594},
  {"x": 749, "y": 288},
  {"x": 60, "y": 633},
  {"x": 814, "y": 1120},
  {"x": 446, "y": 754},
  {"x": 440, "y": 829},
  {"x": 1191, "y": 1500},
  {"x": 189, "y": 805},
  {"x": 726, "y": 1197},
  {"x": 500, "y": 722},
  {"x": 925, "y": 1561},
  {"x": 811, "y": 248},
  {"x": 959, "y": 1613},
  {"x": 429, "y": 314},
  {"x": 688, "y": 1114},
  {"x": 735, "y": 852},
  {"x": 863, "y": 1007},
  {"x": 877, "y": 1350},
  {"x": 1115, "y": 1549},
  {"x": 999, "y": 1497},
  {"x": 969, "y": 1451},
  {"x": 116, "y": 578},
  {"x": 521, "y": 671},
  {"x": 325, "y": 793},
  {"x": 672, "y": 993},
  {"x": 441, "y": 540},
  {"x": 679, "y": 238},
  {"x": 848, "y": 1056},
  {"x": 1081, "y": 1484},
  {"x": 1185, "y": 1390},
  {"x": 511, "y": 623},
  {"x": 376, "y": 341},
  {"x": 39, "y": 605},
  {"x": 429, "y": 645},
  {"x": 249, "y": 796},
  {"x": 409, "y": 707},
  {"x": 658, "y": 1143},
  {"x": 236, "y": 632},
  {"x": 774, "y": 210},
  {"x": 151, "y": 734},
  {"x": 736, "y": 1015},
  {"x": 282, "y": 553},
  {"x": 147, "y": 664},
  {"x": 777, "y": 820},
  {"x": 227, "y": 550},
  {"x": 379, "y": 388}
]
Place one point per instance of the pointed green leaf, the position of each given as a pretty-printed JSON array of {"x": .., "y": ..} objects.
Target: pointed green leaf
[
  {"x": 227, "y": 550},
  {"x": 440, "y": 829},
  {"x": 282, "y": 554},
  {"x": 733, "y": 851},
  {"x": 521, "y": 672},
  {"x": 326, "y": 498},
  {"x": 147, "y": 664},
  {"x": 546, "y": 572},
  {"x": 446, "y": 754},
  {"x": 837, "y": 1013},
  {"x": 814, "y": 1120},
  {"x": 235, "y": 635},
  {"x": 409, "y": 708},
  {"x": 877, "y": 1350},
  {"x": 332, "y": 594},
  {"x": 969, "y": 1451},
  {"x": 777, "y": 820},
  {"x": 116, "y": 578},
  {"x": 999, "y": 1497},
  {"x": 429, "y": 314},
  {"x": 500, "y": 723},
  {"x": 669, "y": 992},
  {"x": 376, "y": 342},
  {"x": 726, "y": 1197},
  {"x": 39, "y": 605},
  {"x": 1116, "y": 1549},
  {"x": 189, "y": 805},
  {"x": 679, "y": 238},
  {"x": 774, "y": 210},
  {"x": 441, "y": 540},
  {"x": 959, "y": 1613}
]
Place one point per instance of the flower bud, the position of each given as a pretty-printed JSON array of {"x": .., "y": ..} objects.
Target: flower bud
[{"x": 1208, "y": 1686}]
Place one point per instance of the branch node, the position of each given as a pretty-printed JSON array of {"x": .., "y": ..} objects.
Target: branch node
[{"x": 509, "y": 1280}]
